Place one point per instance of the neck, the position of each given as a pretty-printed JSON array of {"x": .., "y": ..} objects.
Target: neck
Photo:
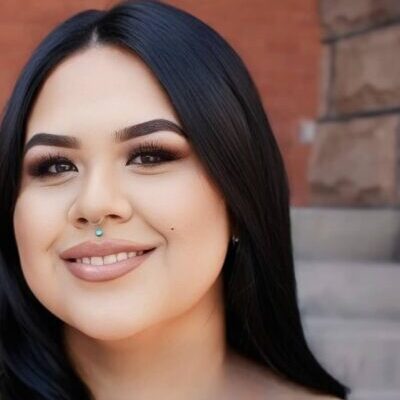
[{"x": 179, "y": 358}]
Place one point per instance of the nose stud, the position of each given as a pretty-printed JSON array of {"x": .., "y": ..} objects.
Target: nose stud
[{"x": 99, "y": 231}]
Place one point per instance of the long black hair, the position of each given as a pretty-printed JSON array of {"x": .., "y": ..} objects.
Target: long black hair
[{"x": 220, "y": 109}]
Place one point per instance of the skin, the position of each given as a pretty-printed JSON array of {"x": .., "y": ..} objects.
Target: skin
[{"x": 157, "y": 332}]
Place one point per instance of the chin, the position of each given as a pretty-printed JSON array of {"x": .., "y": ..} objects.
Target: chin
[{"x": 107, "y": 329}]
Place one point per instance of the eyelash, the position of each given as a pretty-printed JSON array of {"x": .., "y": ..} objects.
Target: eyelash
[{"x": 152, "y": 148}]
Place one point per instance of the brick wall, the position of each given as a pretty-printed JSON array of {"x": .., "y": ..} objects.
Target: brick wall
[{"x": 278, "y": 40}]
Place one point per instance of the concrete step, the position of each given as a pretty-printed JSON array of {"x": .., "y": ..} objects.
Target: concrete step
[
  {"x": 352, "y": 234},
  {"x": 349, "y": 289},
  {"x": 375, "y": 395},
  {"x": 363, "y": 354}
]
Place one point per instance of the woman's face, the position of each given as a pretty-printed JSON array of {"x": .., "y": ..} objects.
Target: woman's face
[{"x": 172, "y": 205}]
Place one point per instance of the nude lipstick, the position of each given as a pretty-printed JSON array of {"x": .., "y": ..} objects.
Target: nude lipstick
[{"x": 96, "y": 261}]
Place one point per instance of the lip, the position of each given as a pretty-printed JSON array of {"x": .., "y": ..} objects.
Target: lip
[
  {"x": 101, "y": 273},
  {"x": 92, "y": 248}
]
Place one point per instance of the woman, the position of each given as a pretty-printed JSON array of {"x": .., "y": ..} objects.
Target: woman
[{"x": 146, "y": 249}]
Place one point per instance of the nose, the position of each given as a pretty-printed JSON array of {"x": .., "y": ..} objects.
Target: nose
[{"x": 99, "y": 199}]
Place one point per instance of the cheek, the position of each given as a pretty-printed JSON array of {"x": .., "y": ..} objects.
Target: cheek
[
  {"x": 37, "y": 218},
  {"x": 37, "y": 221},
  {"x": 192, "y": 217}
]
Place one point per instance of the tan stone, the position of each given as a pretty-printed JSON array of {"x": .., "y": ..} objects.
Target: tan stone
[
  {"x": 325, "y": 80},
  {"x": 355, "y": 162},
  {"x": 344, "y": 16},
  {"x": 366, "y": 72}
]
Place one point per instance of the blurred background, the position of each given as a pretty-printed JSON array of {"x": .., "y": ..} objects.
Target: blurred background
[{"x": 328, "y": 72}]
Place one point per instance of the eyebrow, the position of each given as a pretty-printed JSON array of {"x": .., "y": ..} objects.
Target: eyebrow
[{"x": 121, "y": 135}]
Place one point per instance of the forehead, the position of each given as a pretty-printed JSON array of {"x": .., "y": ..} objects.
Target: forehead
[{"x": 103, "y": 87}]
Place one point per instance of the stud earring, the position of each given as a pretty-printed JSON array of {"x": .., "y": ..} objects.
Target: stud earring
[{"x": 235, "y": 239}]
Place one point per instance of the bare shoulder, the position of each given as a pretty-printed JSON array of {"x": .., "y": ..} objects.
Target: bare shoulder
[{"x": 249, "y": 380}]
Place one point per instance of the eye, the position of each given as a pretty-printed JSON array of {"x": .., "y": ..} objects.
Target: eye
[
  {"x": 51, "y": 165},
  {"x": 150, "y": 154},
  {"x": 145, "y": 155}
]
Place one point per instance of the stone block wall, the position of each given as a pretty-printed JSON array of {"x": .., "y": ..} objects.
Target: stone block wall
[
  {"x": 354, "y": 160},
  {"x": 341, "y": 17}
]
